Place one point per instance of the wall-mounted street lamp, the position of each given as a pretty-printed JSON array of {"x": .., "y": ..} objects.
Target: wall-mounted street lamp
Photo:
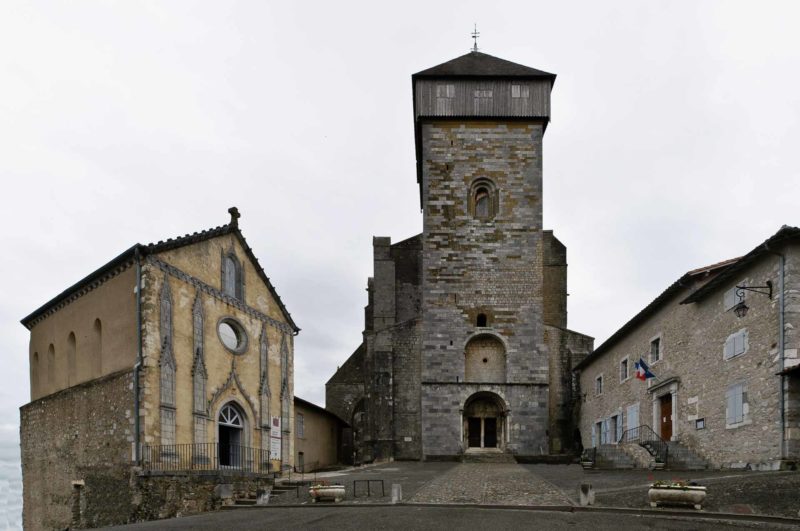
[{"x": 741, "y": 309}]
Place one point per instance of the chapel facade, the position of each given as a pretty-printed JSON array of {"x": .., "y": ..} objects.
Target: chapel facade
[
  {"x": 465, "y": 345},
  {"x": 154, "y": 380}
]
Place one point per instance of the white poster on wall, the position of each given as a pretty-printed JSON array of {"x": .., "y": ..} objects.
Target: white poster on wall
[{"x": 275, "y": 438}]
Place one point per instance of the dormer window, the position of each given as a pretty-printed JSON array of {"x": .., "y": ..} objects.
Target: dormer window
[{"x": 231, "y": 276}]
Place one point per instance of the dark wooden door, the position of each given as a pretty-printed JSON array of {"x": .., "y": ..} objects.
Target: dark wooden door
[
  {"x": 490, "y": 432},
  {"x": 474, "y": 432},
  {"x": 666, "y": 417}
]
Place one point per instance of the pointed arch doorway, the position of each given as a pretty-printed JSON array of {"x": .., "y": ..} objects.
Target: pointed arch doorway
[
  {"x": 230, "y": 434},
  {"x": 484, "y": 423}
]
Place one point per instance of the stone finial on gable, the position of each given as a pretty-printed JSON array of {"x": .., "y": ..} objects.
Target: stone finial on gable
[{"x": 234, "y": 212}]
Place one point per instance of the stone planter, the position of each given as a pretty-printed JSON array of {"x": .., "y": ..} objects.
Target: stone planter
[
  {"x": 677, "y": 494},
  {"x": 334, "y": 493}
]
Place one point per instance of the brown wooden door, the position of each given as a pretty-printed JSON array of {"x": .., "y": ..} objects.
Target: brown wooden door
[{"x": 666, "y": 417}]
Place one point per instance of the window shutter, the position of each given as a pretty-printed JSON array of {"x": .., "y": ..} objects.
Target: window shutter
[
  {"x": 730, "y": 295},
  {"x": 738, "y": 343},
  {"x": 594, "y": 436},
  {"x": 728, "y": 350},
  {"x": 619, "y": 426},
  {"x": 731, "y": 407}
]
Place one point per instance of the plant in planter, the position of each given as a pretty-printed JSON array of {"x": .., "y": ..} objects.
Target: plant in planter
[
  {"x": 676, "y": 492},
  {"x": 323, "y": 491}
]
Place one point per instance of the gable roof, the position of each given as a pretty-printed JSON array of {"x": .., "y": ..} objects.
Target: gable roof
[
  {"x": 689, "y": 279},
  {"x": 319, "y": 409},
  {"x": 478, "y": 64},
  {"x": 127, "y": 258},
  {"x": 769, "y": 245}
]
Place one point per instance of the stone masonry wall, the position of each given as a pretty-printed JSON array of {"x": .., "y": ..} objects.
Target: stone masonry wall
[
  {"x": 566, "y": 349},
  {"x": 493, "y": 266},
  {"x": 692, "y": 340},
  {"x": 406, "y": 394},
  {"x": 81, "y": 434}
]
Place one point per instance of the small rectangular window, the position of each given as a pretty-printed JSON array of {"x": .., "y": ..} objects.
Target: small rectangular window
[
  {"x": 300, "y": 422},
  {"x": 520, "y": 91},
  {"x": 623, "y": 370},
  {"x": 598, "y": 385},
  {"x": 483, "y": 93},
  {"x": 445, "y": 91},
  {"x": 735, "y": 345},
  {"x": 731, "y": 298},
  {"x": 700, "y": 424},
  {"x": 655, "y": 350}
]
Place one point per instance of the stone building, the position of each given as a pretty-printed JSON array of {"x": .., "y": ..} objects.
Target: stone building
[
  {"x": 317, "y": 436},
  {"x": 128, "y": 392},
  {"x": 723, "y": 343},
  {"x": 465, "y": 346}
]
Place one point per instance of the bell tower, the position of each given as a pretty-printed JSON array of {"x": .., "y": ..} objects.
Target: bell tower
[{"x": 479, "y": 124}]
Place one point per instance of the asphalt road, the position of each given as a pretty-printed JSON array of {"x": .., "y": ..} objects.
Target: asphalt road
[{"x": 420, "y": 517}]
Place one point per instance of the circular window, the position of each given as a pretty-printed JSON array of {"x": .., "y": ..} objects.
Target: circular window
[{"x": 232, "y": 335}]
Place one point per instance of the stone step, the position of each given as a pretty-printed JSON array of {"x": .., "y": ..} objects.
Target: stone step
[{"x": 494, "y": 457}]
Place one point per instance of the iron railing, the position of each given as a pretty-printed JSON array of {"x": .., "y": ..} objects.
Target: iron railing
[
  {"x": 589, "y": 455},
  {"x": 648, "y": 439},
  {"x": 206, "y": 456}
]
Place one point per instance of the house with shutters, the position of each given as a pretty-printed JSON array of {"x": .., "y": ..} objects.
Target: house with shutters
[
  {"x": 722, "y": 343},
  {"x": 160, "y": 376}
]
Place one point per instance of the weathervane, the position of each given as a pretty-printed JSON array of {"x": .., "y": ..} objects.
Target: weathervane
[{"x": 475, "y": 36}]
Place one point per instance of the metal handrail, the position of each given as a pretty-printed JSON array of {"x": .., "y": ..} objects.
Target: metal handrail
[
  {"x": 205, "y": 456},
  {"x": 589, "y": 455},
  {"x": 648, "y": 439}
]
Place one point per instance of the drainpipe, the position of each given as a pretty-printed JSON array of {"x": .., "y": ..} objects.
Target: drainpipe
[
  {"x": 138, "y": 365},
  {"x": 781, "y": 344}
]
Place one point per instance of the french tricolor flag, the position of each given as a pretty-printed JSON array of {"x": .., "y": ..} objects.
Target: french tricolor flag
[{"x": 642, "y": 370}]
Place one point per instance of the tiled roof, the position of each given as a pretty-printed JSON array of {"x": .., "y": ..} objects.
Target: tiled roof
[
  {"x": 477, "y": 64},
  {"x": 769, "y": 245},
  {"x": 688, "y": 279},
  {"x": 127, "y": 258}
]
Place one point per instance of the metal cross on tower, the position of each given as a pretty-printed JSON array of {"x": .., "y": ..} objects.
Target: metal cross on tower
[{"x": 475, "y": 35}]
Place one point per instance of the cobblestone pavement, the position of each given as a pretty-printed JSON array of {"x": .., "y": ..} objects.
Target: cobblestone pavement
[{"x": 494, "y": 484}]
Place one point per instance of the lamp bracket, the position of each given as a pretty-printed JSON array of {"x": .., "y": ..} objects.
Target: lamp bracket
[{"x": 763, "y": 290}]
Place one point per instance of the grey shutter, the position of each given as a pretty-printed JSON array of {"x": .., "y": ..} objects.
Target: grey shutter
[
  {"x": 619, "y": 426},
  {"x": 728, "y": 350},
  {"x": 730, "y": 407},
  {"x": 730, "y": 296},
  {"x": 594, "y": 436}
]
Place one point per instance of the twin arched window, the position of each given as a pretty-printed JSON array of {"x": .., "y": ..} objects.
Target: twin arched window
[{"x": 483, "y": 199}]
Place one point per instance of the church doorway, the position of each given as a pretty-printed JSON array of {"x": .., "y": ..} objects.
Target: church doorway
[
  {"x": 230, "y": 431},
  {"x": 484, "y": 423}
]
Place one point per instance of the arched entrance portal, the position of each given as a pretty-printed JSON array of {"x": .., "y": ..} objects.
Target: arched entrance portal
[
  {"x": 230, "y": 434},
  {"x": 484, "y": 422}
]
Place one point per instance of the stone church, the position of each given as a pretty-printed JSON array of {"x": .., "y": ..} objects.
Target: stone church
[
  {"x": 465, "y": 345},
  {"x": 158, "y": 377}
]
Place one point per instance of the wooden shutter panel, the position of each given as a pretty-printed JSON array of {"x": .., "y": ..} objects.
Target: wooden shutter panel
[
  {"x": 730, "y": 407},
  {"x": 728, "y": 350},
  {"x": 729, "y": 299}
]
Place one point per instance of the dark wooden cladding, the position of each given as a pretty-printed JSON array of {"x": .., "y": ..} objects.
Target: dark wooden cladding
[{"x": 471, "y": 98}]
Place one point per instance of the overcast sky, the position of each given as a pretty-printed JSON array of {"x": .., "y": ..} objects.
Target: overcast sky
[{"x": 673, "y": 144}]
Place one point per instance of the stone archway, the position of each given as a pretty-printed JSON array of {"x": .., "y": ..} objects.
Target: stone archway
[
  {"x": 484, "y": 419},
  {"x": 231, "y": 425},
  {"x": 485, "y": 360}
]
